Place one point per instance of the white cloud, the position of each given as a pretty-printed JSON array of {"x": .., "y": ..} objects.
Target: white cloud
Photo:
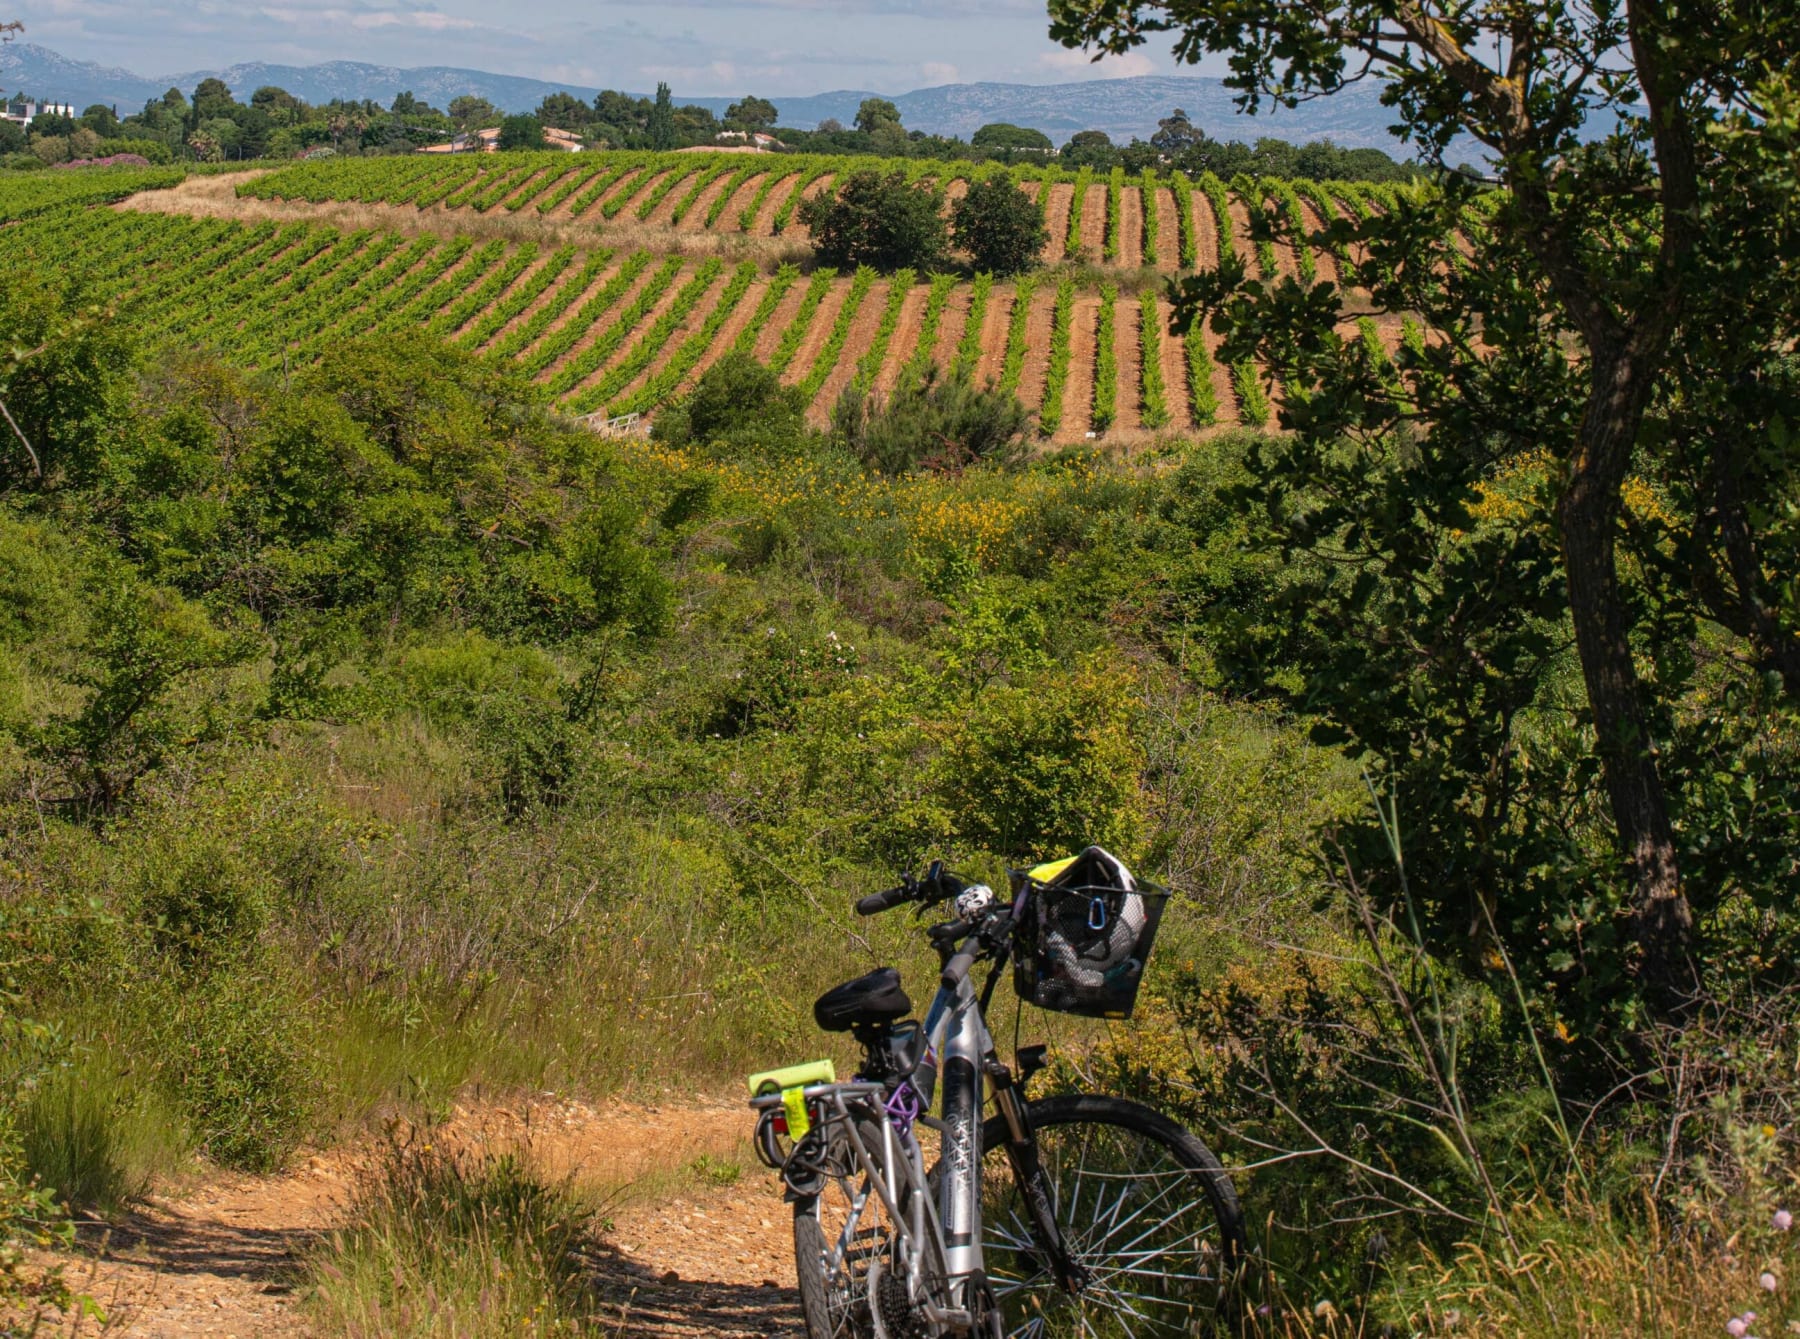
[
  {"x": 935, "y": 72},
  {"x": 1080, "y": 65}
]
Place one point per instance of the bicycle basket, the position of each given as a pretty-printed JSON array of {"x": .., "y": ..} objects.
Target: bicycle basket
[{"x": 1084, "y": 935}]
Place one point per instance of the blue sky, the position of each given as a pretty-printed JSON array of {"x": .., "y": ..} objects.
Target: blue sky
[{"x": 772, "y": 47}]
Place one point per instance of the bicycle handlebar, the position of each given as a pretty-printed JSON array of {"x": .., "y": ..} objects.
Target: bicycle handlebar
[
  {"x": 935, "y": 885},
  {"x": 879, "y": 902},
  {"x": 984, "y": 937}
]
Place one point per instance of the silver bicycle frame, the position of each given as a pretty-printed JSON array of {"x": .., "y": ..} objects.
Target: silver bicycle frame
[
  {"x": 957, "y": 1038},
  {"x": 957, "y": 1041}
]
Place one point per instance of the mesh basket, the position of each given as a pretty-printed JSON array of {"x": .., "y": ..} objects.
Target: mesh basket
[{"x": 1084, "y": 935}]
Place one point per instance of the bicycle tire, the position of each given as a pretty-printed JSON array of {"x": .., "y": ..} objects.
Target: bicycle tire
[
  {"x": 1172, "y": 1276},
  {"x": 835, "y": 1302}
]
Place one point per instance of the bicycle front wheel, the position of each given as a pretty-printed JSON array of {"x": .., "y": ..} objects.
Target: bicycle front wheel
[{"x": 1148, "y": 1218}]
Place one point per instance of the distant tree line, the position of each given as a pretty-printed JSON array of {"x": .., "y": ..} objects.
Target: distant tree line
[{"x": 213, "y": 126}]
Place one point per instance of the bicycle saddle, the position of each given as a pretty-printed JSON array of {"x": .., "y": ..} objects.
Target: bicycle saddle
[{"x": 866, "y": 1001}]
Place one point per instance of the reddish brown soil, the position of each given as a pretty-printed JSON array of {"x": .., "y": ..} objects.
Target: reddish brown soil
[
  {"x": 1093, "y": 225},
  {"x": 779, "y": 320},
  {"x": 1174, "y": 370},
  {"x": 1131, "y": 228},
  {"x": 1038, "y": 326},
  {"x": 1129, "y": 358},
  {"x": 862, "y": 335},
  {"x": 906, "y": 337},
  {"x": 994, "y": 325},
  {"x": 824, "y": 317},
  {"x": 1078, "y": 391},
  {"x": 684, "y": 1256},
  {"x": 1322, "y": 255},
  {"x": 1222, "y": 384},
  {"x": 1206, "y": 233},
  {"x": 771, "y": 205},
  {"x": 1056, "y": 221},
  {"x": 951, "y": 326}
]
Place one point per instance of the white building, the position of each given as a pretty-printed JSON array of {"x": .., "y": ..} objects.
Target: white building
[{"x": 25, "y": 112}]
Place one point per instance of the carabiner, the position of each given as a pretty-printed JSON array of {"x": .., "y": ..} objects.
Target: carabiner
[{"x": 1097, "y": 914}]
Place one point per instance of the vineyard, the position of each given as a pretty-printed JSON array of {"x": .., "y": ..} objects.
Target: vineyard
[
  {"x": 1165, "y": 221},
  {"x": 612, "y": 329}
]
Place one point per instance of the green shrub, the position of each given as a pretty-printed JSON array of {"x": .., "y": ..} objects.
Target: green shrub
[
  {"x": 886, "y": 222},
  {"x": 737, "y": 405},
  {"x": 999, "y": 226},
  {"x": 1048, "y": 765},
  {"x": 944, "y": 425},
  {"x": 205, "y": 905}
]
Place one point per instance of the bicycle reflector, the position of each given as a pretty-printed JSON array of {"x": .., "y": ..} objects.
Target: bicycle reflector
[{"x": 791, "y": 1083}]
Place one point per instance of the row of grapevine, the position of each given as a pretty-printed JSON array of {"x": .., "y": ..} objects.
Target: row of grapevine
[
  {"x": 1056, "y": 378},
  {"x": 662, "y": 385},
  {"x": 923, "y": 350},
  {"x": 765, "y": 310},
  {"x": 652, "y": 342},
  {"x": 624, "y": 334},
  {"x": 869, "y": 365},
  {"x": 789, "y": 344},
  {"x": 833, "y": 347},
  {"x": 968, "y": 348},
  {"x": 1012, "y": 365},
  {"x": 1106, "y": 361}
]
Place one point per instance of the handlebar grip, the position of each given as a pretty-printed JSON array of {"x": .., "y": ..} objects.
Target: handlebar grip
[
  {"x": 876, "y": 902},
  {"x": 958, "y": 967}
]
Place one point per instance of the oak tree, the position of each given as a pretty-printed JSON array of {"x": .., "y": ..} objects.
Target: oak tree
[{"x": 1593, "y": 325}]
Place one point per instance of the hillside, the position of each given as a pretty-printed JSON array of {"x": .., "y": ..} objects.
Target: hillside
[
  {"x": 1122, "y": 107},
  {"x": 614, "y": 281}
]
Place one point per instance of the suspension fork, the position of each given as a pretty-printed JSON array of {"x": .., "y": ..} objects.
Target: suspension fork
[{"x": 1028, "y": 1175}]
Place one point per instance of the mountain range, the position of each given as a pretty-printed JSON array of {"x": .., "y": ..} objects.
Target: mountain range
[{"x": 1123, "y": 108}]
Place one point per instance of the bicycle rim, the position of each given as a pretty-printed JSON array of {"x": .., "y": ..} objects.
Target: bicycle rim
[
  {"x": 1146, "y": 1215},
  {"x": 839, "y": 1235}
]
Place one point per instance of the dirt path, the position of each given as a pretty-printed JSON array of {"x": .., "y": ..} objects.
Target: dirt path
[{"x": 685, "y": 1254}]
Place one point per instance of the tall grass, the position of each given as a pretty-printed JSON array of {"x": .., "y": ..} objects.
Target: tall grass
[
  {"x": 93, "y": 1142},
  {"x": 448, "y": 1244}
]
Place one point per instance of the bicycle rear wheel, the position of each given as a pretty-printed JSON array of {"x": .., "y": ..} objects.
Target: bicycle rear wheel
[
  {"x": 842, "y": 1241},
  {"x": 1147, "y": 1215}
]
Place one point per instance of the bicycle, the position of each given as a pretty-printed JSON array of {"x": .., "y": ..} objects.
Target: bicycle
[{"x": 1068, "y": 1215}]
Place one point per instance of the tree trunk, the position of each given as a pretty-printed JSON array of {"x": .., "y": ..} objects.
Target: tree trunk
[{"x": 1587, "y": 520}]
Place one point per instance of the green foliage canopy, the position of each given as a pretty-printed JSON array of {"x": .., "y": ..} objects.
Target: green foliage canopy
[
  {"x": 999, "y": 226},
  {"x": 884, "y": 221}
]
